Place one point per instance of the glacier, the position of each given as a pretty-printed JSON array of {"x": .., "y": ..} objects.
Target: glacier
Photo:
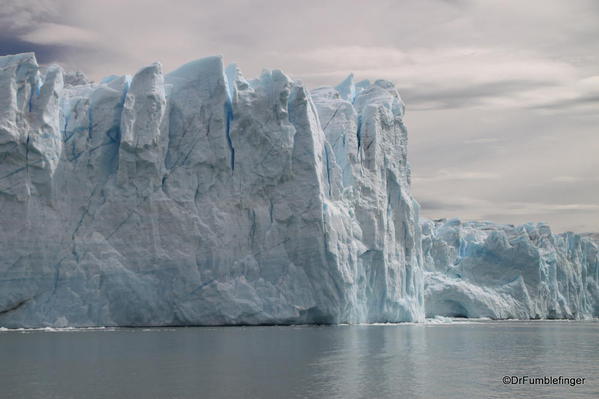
[
  {"x": 201, "y": 197},
  {"x": 485, "y": 269}
]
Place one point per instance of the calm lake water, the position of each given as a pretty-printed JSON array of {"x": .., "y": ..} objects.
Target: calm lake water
[{"x": 456, "y": 360}]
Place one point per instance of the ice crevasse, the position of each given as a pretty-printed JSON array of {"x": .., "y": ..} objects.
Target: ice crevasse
[{"x": 199, "y": 197}]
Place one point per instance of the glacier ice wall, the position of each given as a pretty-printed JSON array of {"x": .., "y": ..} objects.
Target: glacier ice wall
[
  {"x": 199, "y": 197},
  {"x": 484, "y": 269}
]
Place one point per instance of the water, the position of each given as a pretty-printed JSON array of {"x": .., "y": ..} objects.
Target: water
[{"x": 457, "y": 360}]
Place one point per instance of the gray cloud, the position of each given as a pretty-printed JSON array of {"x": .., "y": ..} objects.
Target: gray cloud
[
  {"x": 22, "y": 15},
  {"x": 584, "y": 100},
  {"x": 423, "y": 98},
  {"x": 31, "y": 26},
  {"x": 437, "y": 205},
  {"x": 44, "y": 53}
]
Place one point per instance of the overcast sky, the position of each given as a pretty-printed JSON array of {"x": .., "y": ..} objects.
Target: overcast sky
[{"x": 502, "y": 96}]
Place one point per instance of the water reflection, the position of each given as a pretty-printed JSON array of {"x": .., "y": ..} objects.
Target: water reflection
[{"x": 387, "y": 361}]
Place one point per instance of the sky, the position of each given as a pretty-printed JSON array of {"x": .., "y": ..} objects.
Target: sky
[{"x": 502, "y": 96}]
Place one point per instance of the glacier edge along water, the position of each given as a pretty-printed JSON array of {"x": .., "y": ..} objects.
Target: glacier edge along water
[
  {"x": 485, "y": 269},
  {"x": 199, "y": 197}
]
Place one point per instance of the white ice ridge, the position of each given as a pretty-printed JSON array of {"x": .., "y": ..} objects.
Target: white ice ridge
[
  {"x": 484, "y": 269},
  {"x": 202, "y": 198}
]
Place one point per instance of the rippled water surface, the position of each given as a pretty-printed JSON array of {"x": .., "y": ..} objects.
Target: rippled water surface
[{"x": 447, "y": 360}]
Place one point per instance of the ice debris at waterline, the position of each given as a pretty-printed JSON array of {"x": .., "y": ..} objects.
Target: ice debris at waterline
[
  {"x": 484, "y": 269},
  {"x": 201, "y": 198}
]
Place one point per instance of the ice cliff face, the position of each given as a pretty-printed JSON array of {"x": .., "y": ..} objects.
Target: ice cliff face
[
  {"x": 483, "y": 269},
  {"x": 199, "y": 197}
]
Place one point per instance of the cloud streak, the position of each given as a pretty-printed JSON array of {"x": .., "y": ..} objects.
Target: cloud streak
[{"x": 48, "y": 33}]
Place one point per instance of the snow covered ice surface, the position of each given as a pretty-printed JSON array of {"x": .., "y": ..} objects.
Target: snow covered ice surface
[
  {"x": 199, "y": 197},
  {"x": 484, "y": 269}
]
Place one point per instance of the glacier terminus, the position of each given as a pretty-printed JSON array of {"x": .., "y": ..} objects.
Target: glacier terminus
[{"x": 201, "y": 197}]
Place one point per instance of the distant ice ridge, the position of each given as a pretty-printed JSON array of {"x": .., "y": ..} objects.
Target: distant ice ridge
[
  {"x": 483, "y": 269},
  {"x": 202, "y": 198}
]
